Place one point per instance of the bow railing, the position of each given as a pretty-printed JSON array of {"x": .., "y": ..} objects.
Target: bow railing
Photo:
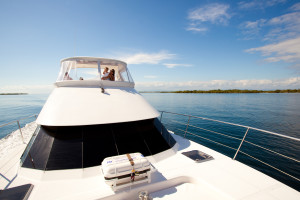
[
  {"x": 236, "y": 139},
  {"x": 19, "y": 126}
]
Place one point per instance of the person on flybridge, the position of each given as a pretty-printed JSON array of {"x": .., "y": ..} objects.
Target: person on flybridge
[
  {"x": 110, "y": 76},
  {"x": 67, "y": 77},
  {"x": 105, "y": 72}
]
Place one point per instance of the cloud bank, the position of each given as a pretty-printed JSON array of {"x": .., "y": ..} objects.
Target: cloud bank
[
  {"x": 264, "y": 84},
  {"x": 286, "y": 51}
]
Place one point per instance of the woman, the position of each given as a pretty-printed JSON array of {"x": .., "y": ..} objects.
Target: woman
[
  {"x": 110, "y": 76},
  {"x": 105, "y": 72}
]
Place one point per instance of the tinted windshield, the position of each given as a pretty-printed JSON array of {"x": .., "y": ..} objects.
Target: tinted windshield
[
  {"x": 71, "y": 147},
  {"x": 81, "y": 69}
]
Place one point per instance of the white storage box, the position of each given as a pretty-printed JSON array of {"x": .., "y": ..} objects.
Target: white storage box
[{"x": 117, "y": 169}]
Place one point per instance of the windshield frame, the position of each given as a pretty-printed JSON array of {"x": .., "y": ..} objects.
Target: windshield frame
[{"x": 89, "y": 68}]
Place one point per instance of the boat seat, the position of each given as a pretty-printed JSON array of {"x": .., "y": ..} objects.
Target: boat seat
[{"x": 17, "y": 193}]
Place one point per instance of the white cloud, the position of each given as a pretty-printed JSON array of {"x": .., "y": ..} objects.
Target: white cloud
[
  {"x": 32, "y": 89},
  {"x": 152, "y": 58},
  {"x": 258, "y": 4},
  {"x": 287, "y": 51},
  {"x": 264, "y": 84},
  {"x": 169, "y": 65},
  {"x": 296, "y": 7},
  {"x": 215, "y": 13},
  {"x": 195, "y": 29},
  {"x": 251, "y": 29},
  {"x": 254, "y": 25},
  {"x": 247, "y": 5},
  {"x": 285, "y": 19},
  {"x": 279, "y": 28},
  {"x": 147, "y": 58},
  {"x": 284, "y": 34},
  {"x": 284, "y": 27}
]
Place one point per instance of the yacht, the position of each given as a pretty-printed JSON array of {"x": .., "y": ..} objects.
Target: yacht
[{"x": 98, "y": 138}]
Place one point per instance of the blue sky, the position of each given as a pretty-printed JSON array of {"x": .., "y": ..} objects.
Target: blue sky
[{"x": 168, "y": 44}]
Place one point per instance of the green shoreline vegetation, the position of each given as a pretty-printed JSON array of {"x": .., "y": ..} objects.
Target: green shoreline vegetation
[
  {"x": 229, "y": 91},
  {"x": 13, "y": 93}
]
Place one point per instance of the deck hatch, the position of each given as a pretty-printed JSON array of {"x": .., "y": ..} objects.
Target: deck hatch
[{"x": 198, "y": 156}]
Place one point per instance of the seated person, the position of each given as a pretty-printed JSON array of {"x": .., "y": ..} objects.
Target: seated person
[
  {"x": 81, "y": 78},
  {"x": 67, "y": 77},
  {"x": 105, "y": 73},
  {"x": 110, "y": 76}
]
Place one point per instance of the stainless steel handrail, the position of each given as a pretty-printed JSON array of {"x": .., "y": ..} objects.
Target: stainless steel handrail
[
  {"x": 18, "y": 122},
  {"x": 257, "y": 129},
  {"x": 185, "y": 132}
]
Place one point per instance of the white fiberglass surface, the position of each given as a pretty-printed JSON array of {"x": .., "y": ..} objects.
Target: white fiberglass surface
[{"x": 86, "y": 106}]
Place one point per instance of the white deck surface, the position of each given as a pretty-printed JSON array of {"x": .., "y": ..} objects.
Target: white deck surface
[
  {"x": 176, "y": 177},
  {"x": 74, "y": 106}
]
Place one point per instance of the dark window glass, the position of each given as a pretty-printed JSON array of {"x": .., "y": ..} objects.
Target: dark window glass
[
  {"x": 129, "y": 139},
  {"x": 165, "y": 133},
  {"x": 66, "y": 152},
  {"x": 39, "y": 151},
  {"x": 98, "y": 144},
  {"x": 72, "y": 147},
  {"x": 155, "y": 142}
]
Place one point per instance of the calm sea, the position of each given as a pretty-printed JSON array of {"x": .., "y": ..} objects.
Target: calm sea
[
  {"x": 15, "y": 107},
  {"x": 278, "y": 113}
]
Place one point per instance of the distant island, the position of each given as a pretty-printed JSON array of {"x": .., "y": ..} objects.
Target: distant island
[
  {"x": 229, "y": 91},
  {"x": 13, "y": 93}
]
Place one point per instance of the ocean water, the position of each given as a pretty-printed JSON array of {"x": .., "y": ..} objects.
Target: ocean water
[
  {"x": 273, "y": 112},
  {"x": 278, "y": 113},
  {"x": 15, "y": 107}
]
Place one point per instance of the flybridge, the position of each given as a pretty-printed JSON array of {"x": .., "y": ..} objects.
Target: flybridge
[{"x": 91, "y": 69}]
